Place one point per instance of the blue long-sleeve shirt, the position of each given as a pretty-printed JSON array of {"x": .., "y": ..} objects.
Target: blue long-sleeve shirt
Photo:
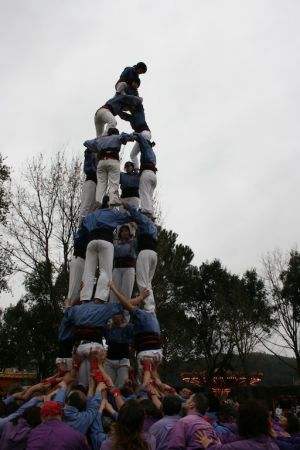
[
  {"x": 81, "y": 240},
  {"x": 144, "y": 321},
  {"x": 119, "y": 335},
  {"x": 89, "y": 315},
  {"x": 104, "y": 218},
  {"x": 145, "y": 225},
  {"x": 128, "y": 90},
  {"x": 113, "y": 141},
  {"x": 136, "y": 118},
  {"x": 129, "y": 183},
  {"x": 125, "y": 249},
  {"x": 90, "y": 163},
  {"x": 129, "y": 75},
  {"x": 83, "y": 421},
  {"x": 147, "y": 153},
  {"x": 120, "y": 102},
  {"x": 96, "y": 432},
  {"x": 79, "y": 420}
]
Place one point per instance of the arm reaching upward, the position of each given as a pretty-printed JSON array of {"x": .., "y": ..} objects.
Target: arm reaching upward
[{"x": 129, "y": 303}]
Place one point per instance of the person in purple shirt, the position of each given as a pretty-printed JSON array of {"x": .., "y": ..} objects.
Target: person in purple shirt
[
  {"x": 53, "y": 433},
  {"x": 253, "y": 428},
  {"x": 171, "y": 406},
  {"x": 183, "y": 435},
  {"x": 128, "y": 431},
  {"x": 15, "y": 433}
]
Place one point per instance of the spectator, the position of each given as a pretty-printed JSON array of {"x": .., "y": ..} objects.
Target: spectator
[
  {"x": 127, "y": 434},
  {"x": 183, "y": 434},
  {"x": 171, "y": 406},
  {"x": 253, "y": 427},
  {"x": 53, "y": 433}
]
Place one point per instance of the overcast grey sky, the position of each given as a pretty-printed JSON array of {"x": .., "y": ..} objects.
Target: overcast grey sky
[{"x": 221, "y": 96}]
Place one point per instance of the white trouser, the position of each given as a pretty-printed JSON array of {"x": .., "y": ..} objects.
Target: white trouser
[
  {"x": 76, "y": 268},
  {"x": 99, "y": 253},
  {"x": 136, "y": 149},
  {"x": 83, "y": 350},
  {"x": 117, "y": 369},
  {"x": 88, "y": 198},
  {"x": 145, "y": 269},
  {"x": 149, "y": 355},
  {"x": 123, "y": 279},
  {"x": 148, "y": 183},
  {"x": 104, "y": 116},
  {"x": 108, "y": 177},
  {"x": 133, "y": 201}
]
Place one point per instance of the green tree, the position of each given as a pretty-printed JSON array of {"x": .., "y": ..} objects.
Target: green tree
[
  {"x": 41, "y": 224},
  {"x": 5, "y": 261},
  {"x": 28, "y": 332},
  {"x": 250, "y": 316},
  {"x": 169, "y": 284},
  {"x": 43, "y": 219},
  {"x": 284, "y": 286}
]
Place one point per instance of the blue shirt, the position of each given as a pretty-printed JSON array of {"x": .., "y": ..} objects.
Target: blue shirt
[
  {"x": 129, "y": 75},
  {"x": 127, "y": 90},
  {"x": 81, "y": 240},
  {"x": 90, "y": 314},
  {"x": 125, "y": 249},
  {"x": 113, "y": 141},
  {"x": 90, "y": 162},
  {"x": 82, "y": 420},
  {"x": 145, "y": 225},
  {"x": 137, "y": 118},
  {"x": 119, "y": 335},
  {"x": 120, "y": 102},
  {"x": 129, "y": 180},
  {"x": 144, "y": 321},
  {"x": 104, "y": 218},
  {"x": 147, "y": 153}
]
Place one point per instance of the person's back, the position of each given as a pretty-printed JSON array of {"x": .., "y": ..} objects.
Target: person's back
[
  {"x": 161, "y": 430},
  {"x": 255, "y": 443},
  {"x": 55, "y": 434},
  {"x": 14, "y": 436}
]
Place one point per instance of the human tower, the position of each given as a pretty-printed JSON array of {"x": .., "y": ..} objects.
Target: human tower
[{"x": 115, "y": 244}]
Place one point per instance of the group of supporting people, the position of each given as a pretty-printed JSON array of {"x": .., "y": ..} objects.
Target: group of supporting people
[
  {"x": 115, "y": 245},
  {"x": 58, "y": 413}
]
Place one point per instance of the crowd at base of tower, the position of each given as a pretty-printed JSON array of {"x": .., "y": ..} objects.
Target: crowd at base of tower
[{"x": 58, "y": 413}]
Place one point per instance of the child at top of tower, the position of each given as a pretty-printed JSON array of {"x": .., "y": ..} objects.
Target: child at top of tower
[{"x": 131, "y": 74}]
